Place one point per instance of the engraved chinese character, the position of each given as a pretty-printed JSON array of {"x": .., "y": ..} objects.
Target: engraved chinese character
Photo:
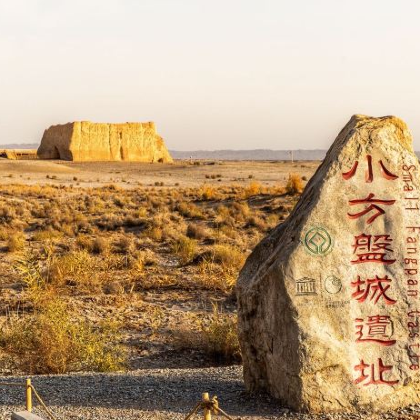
[
  {"x": 373, "y": 206},
  {"x": 372, "y": 248},
  {"x": 371, "y": 376},
  {"x": 372, "y": 289},
  {"x": 385, "y": 173},
  {"x": 377, "y": 329}
]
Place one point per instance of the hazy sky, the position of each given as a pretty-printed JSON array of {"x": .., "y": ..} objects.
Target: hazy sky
[{"x": 212, "y": 74}]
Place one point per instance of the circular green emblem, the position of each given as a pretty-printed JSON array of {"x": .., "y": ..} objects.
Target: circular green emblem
[{"x": 318, "y": 241}]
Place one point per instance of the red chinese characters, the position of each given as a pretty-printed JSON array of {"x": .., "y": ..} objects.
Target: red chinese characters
[
  {"x": 372, "y": 290},
  {"x": 372, "y": 248},
  {"x": 372, "y": 207},
  {"x": 368, "y": 375},
  {"x": 376, "y": 329},
  {"x": 385, "y": 173}
]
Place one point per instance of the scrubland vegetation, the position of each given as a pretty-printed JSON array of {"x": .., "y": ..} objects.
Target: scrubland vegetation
[{"x": 102, "y": 278}]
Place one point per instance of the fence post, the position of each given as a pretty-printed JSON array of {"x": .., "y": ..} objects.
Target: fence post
[
  {"x": 207, "y": 411},
  {"x": 28, "y": 395}
]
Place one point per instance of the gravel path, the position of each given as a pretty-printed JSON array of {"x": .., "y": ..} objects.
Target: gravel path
[{"x": 156, "y": 394}]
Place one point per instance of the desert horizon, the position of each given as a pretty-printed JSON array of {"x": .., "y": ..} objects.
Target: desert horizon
[{"x": 209, "y": 210}]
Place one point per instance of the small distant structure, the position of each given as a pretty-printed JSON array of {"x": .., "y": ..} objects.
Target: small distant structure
[
  {"x": 86, "y": 141},
  {"x": 19, "y": 154}
]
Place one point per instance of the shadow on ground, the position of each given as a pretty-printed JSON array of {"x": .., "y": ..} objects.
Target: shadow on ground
[{"x": 175, "y": 390}]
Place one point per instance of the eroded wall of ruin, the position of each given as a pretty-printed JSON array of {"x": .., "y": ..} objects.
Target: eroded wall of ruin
[{"x": 86, "y": 141}]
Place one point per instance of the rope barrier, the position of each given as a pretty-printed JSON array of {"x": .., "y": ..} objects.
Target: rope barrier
[
  {"x": 47, "y": 410},
  {"x": 29, "y": 389},
  {"x": 208, "y": 406}
]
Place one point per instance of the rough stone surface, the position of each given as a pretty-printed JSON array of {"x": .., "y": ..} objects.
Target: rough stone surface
[
  {"x": 86, "y": 141},
  {"x": 311, "y": 292}
]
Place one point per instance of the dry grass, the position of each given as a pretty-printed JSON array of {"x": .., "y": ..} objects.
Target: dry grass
[
  {"x": 294, "y": 184},
  {"x": 184, "y": 248},
  {"x": 16, "y": 242},
  {"x": 51, "y": 341},
  {"x": 217, "y": 338},
  {"x": 105, "y": 250}
]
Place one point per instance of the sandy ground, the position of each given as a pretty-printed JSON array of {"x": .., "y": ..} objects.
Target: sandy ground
[{"x": 131, "y": 174}]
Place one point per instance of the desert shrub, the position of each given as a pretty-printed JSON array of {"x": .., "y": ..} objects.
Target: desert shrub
[
  {"x": 294, "y": 184},
  {"x": 239, "y": 211},
  {"x": 46, "y": 235},
  {"x": 100, "y": 246},
  {"x": 50, "y": 341},
  {"x": 7, "y": 214},
  {"x": 32, "y": 274},
  {"x": 196, "y": 231},
  {"x": 114, "y": 288},
  {"x": 78, "y": 268},
  {"x": 219, "y": 268},
  {"x": 222, "y": 338},
  {"x": 85, "y": 242},
  {"x": 224, "y": 217},
  {"x": 155, "y": 233},
  {"x": 109, "y": 222},
  {"x": 229, "y": 257},
  {"x": 272, "y": 220},
  {"x": 137, "y": 261},
  {"x": 189, "y": 210},
  {"x": 67, "y": 229},
  {"x": 124, "y": 245},
  {"x": 253, "y": 188},
  {"x": 257, "y": 222},
  {"x": 184, "y": 248},
  {"x": 217, "y": 339},
  {"x": 112, "y": 187},
  {"x": 4, "y": 233},
  {"x": 16, "y": 242},
  {"x": 207, "y": 192}
]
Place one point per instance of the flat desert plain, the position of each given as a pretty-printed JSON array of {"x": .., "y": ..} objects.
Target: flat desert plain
[{"x": 126, "y": 174}]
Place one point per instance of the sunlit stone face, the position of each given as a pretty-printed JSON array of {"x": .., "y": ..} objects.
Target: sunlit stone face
[{"x": 329, "y": 301}]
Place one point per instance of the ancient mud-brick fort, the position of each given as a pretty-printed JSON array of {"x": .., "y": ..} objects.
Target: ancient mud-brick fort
[{"x": 87, "y": 141}]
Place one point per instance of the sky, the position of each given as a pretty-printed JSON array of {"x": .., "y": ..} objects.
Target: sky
[{"x": 219, "y": 74}]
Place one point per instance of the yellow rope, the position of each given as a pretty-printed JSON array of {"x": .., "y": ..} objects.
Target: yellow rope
[
  {"x": 212, "y": 405},
  {"x": 47, "y": 410}
]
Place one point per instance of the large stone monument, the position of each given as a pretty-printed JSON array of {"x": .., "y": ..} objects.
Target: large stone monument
[
  {"x": 329, "y": 310},
  {"x": 87, "y": 141}
]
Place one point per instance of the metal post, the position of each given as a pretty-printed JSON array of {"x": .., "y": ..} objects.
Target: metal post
[
  {"x": 207, "y": 411},
  {"x": 28, "y": 395}
]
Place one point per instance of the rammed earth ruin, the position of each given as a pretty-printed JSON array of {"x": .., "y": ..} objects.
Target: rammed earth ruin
[{"x": 87, "y": 141}]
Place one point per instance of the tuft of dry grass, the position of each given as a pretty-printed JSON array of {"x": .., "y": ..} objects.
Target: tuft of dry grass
[
  {"x": 229, "y": 257},
  {"x": 16, "y": 242},
  {"x": 254, "y": 188},
  {"x": 100, "y": 246},
  {"x": 196, "y": 231},
  {"x": 217, "y": 339},
  {"x": 294, "y": 184},
  {"x": 184, "y": 248}
]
